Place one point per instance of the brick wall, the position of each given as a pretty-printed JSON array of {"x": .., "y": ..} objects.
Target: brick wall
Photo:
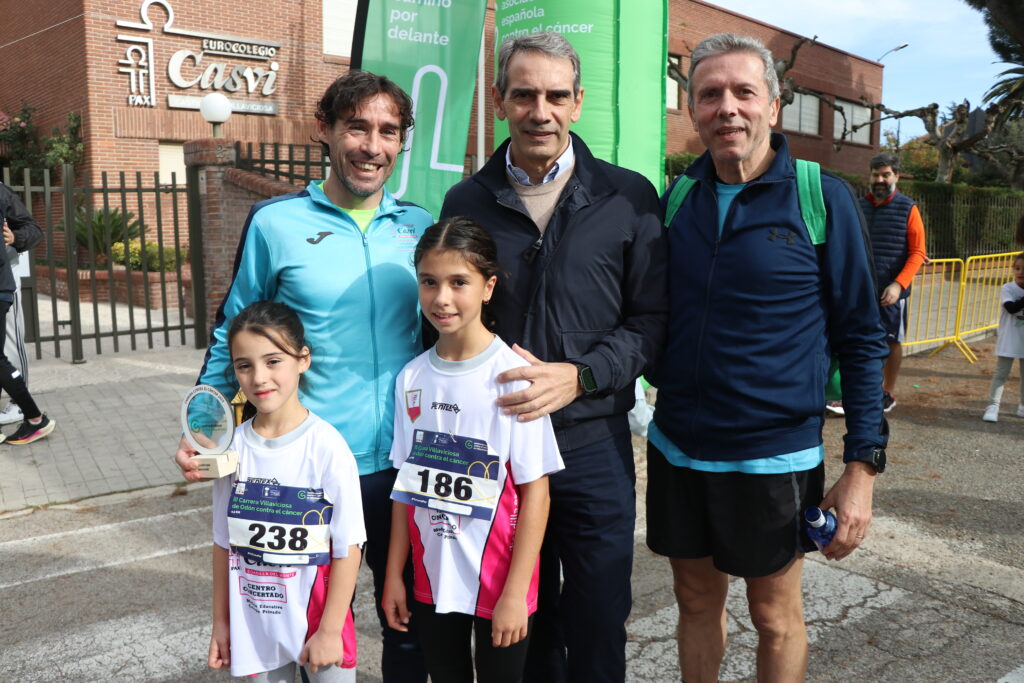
[
  {"x": 226, "y": 195},
  {"x": 820, "y": 67},
  {"x": 72, "y": 65}
]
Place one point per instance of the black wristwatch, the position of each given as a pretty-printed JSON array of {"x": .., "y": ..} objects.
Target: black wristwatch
[
  {"x": 586, "y": 377},
  {"x": 875, "y": 457}
]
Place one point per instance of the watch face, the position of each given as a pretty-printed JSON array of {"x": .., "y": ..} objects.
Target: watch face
[
  {"x": 878, "y": 459},
  {"x": 586, "y": 376}
]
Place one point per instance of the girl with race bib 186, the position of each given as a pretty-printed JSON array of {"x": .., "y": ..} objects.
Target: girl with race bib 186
[
  {"x": 288, "y": 525},
  {"x": 471, "y": 497}
]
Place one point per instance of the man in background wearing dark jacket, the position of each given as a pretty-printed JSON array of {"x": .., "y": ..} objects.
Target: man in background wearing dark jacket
[
  {"x": 584, "y": 300},
  {"x": 898, "y": 247},
  {"x": 735, "y": 450}
]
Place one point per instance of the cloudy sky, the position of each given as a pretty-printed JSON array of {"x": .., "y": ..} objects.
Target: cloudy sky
[{"x": 948, "y": 58}]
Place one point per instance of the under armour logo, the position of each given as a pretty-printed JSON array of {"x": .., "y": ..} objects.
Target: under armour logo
[
  {"x": 319, "y": 237},
  {"x": 775, "y": 235}
]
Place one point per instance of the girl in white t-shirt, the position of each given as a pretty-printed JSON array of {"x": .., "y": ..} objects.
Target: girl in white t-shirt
[
  {"x": 1010, "y": 344},
  {"x": 471, "y": 496},
  {"x": 288, "y": 525}
]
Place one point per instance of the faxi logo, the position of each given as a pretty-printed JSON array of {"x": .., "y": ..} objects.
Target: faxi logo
[
  {"x": 244, "y": 69},
  {"x": 319, "y": 237}
]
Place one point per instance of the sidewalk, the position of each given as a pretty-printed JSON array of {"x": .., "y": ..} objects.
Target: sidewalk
[{"x": 117, "y": 426}]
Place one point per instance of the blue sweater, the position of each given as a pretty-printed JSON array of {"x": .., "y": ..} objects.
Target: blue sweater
[
  {"x": 755, "y": 315},
  {"x": 356, "y": 295}
]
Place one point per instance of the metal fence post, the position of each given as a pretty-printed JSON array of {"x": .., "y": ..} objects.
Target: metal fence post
[
  {"x": 195, "y": 249},
  {"x": 68, "y": 187}
]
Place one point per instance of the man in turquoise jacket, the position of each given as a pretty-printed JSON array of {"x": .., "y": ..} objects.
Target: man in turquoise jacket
[{"x": 340, "y": 254}]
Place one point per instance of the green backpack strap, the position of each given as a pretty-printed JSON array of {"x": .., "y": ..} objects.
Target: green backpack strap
[
  {"x": 678, "y": 195},
  {"x": 812, "y": 202},
  {"x": 808, "y": 185}
]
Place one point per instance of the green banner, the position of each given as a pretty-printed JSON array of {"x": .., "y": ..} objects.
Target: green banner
[
  {"x": 431, "y": 49},
  {"x": 623, "y": 55}
]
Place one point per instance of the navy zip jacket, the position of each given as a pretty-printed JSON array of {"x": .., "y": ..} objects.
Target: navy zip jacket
[
  {"x": 594, "y": 292},
  {"x": 755, "y": 314}
]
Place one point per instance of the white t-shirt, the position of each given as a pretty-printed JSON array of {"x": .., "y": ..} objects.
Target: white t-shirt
[
  {"x": 445, "y": 415},
  {"x": 1011, "y": 326},
  {"x": 275, "y": 608}
]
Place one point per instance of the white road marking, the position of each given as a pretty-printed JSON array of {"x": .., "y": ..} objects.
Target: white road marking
[
  {"x": 1015, "y": 676},
  {"x": 76, "y": 551},
  {"x": 893, "y": 542},
  {"x": 9, "y": 546}
]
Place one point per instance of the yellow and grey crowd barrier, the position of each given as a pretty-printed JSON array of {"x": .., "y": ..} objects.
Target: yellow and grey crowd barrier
[{"x": 954, "y": 299}]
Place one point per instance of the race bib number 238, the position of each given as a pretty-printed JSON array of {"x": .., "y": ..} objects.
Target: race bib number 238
[{"x": 276, "y": 524}]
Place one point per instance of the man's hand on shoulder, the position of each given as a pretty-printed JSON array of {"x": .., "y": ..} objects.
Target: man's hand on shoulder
[
  {"x": 552, "y": 387},
  {"x": 891, "y": 294}
]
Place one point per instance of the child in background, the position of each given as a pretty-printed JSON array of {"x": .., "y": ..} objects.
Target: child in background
[
  {"x": 1010, "y": 344},
  {"x": 471, "y": 497},
  {"x": 288, "y": 525}
]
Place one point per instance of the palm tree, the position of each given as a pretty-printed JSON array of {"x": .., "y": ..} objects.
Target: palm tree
[{"x": 1009, "y": 91}]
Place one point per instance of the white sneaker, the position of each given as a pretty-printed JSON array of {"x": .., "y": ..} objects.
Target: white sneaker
[
  {"x": 991, "y": 414},
  {"x": 11, "y": 414},
  {"x": 1020, "y": 410}
]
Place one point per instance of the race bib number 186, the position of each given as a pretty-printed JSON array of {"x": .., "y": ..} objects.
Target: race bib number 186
[{"x": 452, "y": 473}]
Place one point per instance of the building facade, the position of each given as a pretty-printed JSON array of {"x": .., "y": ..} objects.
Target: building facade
[
  {"x": 135, "y": 70},
  {"x": 810, "y": 124}
]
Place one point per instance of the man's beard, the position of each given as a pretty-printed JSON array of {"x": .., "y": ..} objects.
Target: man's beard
[{"x": 881, "y": 190}]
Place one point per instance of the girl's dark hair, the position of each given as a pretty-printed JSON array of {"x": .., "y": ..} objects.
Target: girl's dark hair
[
  {"x": 275, "y": 321},
  {"x": 472, "y": 242},
  {"x": 1017, "y": 257}
]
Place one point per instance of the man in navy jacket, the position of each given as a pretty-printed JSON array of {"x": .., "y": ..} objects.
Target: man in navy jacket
[
  {"x": 757, "y": 310},
  {"x": 584, "y": 300}
]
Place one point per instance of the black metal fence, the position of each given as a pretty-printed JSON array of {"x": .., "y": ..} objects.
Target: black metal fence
[
  {"x": 297, "y": 164},
  {"x": 113, "y": 269},
  {"x": 962, "y": 221}
]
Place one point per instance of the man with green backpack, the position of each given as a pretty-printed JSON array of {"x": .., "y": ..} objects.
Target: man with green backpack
[{"x": 769, "y": 279}]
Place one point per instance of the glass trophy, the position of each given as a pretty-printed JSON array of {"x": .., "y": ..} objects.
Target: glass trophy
[{"x": 209, "y": 423}]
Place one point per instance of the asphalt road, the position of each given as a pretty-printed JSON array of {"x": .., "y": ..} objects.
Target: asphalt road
[{"x": 118, "y": 588}]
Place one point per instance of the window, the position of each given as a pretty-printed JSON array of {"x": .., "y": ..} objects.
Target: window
[
  {"x": 672, "y": 89},
  {"x": 339, "y": 17},
  {"x": 172, "y": 160},
  {"x": 855, "y": 114},
  {"x": 802, "y": 115}
]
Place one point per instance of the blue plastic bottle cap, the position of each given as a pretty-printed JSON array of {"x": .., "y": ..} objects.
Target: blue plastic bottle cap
[{"x": 815, "y": 517}]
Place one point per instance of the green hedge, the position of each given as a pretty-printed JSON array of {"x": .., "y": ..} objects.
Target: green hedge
[
  {"x": 962, "y": 221},
  {"x": 675, "y": 164},
  {"x": 134, "y": 259}
]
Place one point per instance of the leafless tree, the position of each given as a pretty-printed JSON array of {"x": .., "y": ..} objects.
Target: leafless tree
[{"x": 950, "y": 138}]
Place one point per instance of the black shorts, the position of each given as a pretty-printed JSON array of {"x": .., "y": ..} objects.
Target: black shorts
[
  {"x": 751, "y": 525},
  {"x": 894, "y": 320}
]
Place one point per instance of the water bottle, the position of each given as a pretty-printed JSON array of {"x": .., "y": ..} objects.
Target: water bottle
[{"x": 821, "y": 526}]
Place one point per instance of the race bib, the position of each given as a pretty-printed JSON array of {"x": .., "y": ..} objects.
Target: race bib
[
  {"x": 452, "y": 473},
  {"x": 277, "y": 524}
]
